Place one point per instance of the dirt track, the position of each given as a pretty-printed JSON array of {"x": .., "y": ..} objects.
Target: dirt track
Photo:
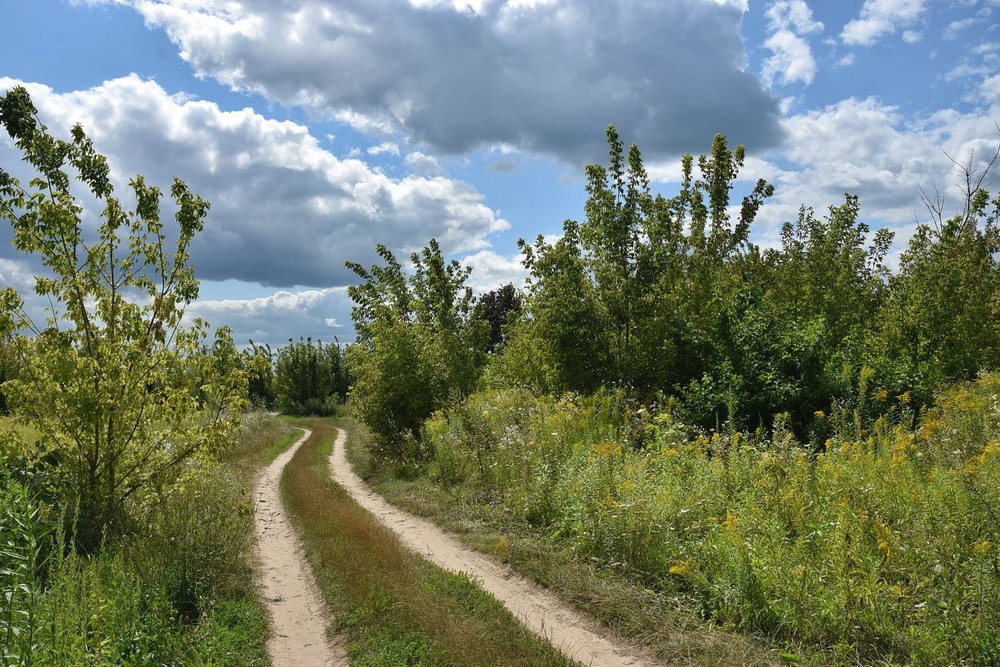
[
  {"x": 299, "y": 618},
  {"x": 578, "y": 637},
  {"x": 297, "y": 613}
]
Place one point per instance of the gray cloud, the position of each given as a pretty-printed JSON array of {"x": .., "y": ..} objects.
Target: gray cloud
[
  {"x": 543, "y": 77},
  {"x": 285, "y": 211}
]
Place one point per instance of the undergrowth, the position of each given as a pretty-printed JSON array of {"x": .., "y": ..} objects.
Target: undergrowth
[
  {"x": 177, "y": 590},
  {"x": 877, "y": 545}
]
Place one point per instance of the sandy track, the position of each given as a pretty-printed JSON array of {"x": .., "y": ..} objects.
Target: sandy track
[
  {"x": 285, "y": 580},
  {"x": 575, "y": 635}
]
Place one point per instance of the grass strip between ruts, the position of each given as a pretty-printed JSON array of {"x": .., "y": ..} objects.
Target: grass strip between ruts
[{"x": 392, "y": 607}]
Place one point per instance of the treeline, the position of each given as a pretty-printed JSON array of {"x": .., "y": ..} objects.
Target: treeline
[
  {"x": 301, "y": 378},
  {"x": 798, "y": 442},
  {"x": 669, "y": 299}
]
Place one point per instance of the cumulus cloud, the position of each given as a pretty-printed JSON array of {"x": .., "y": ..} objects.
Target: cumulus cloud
[
  {"x": 285, "y": 211},
  {"x": 274, "y": 319},
  {"x": 867, "y": 148},
  {"x": 792, "y": 60},
  {"x": 882, "y": 17},
  {"x": 385, "y": 148},
  {"x": 422, "y": 164},
  {"x": 490, "y": 270},
  {"x": 989, "y": 89},
  {"x": 454, "y": 75}
]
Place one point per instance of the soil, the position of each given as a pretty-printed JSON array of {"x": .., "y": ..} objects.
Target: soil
[
  {"x": 298, "y": 617},
  {"x": 576, "y": 635}
]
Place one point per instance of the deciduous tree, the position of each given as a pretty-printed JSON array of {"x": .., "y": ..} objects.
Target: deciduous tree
[{"x": 98, "y": 377}]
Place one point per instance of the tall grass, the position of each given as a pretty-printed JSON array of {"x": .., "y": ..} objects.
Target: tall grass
[
  {"x": 177, "y": 591},
  {"x": 881, "y": 546}
]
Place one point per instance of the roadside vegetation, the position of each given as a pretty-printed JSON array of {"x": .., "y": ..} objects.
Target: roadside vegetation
[
  {"x": 797, "y": 443},
  {"x": 391, "y": 606},
  {"x": 125, "y": 473},
  {"x": 178, "y": 589}
]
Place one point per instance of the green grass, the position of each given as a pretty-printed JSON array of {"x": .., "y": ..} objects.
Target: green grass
[
  {"x": 393, "y": 607},
  {"x": 177, "y": 590},
  {"x": 669, "y": 625}
]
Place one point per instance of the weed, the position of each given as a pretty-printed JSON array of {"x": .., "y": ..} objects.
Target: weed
[{"x": 880, "y": 544}]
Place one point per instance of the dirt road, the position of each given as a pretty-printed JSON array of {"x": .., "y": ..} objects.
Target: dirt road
[
  {"x": 297, "y": 613},
  {"x": 578, "y": 637}
]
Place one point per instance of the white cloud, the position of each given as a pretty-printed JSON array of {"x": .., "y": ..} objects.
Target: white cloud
[
  {"x": 792, "y": 60},
  {"x": 490, "y": 270},
  {"x": 421, "y": 164},
  {"x": 793, "y": 14},
  {"x": 882, "y": 17},
  {"x": 385, "y": 148},
  {"x": 989, "y": 89},
  {"x": 864, "y": 147},
  {"x": 460, "y": 6},
  {"x": 546, "y": 76},
  {"x": 284, "y": 315},
  {"x": 284, "y": 210}
]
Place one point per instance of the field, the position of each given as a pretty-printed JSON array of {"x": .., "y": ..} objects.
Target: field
[{"x": 882, "y": 546}]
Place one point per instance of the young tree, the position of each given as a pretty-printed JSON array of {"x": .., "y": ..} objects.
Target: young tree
[
  {"x": 941, "y": 321},
  {"x": 98, "y": 377},
  {"x": 259, "y": 362},
  {"x": 635, "y": 295},
  {"x": 497, "y": 308},
  {"x": 563, "y": 344},
  {"x": 419, "y": 346}
]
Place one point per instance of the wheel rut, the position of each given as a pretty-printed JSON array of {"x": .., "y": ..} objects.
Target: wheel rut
[
  {"x": 576, "y": 635},
  {"x": 298, "y": 616}
]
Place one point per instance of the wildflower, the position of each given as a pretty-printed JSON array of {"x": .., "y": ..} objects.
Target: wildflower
[
  {"x": 991, "y": 449},
  {"x": 882, "y": 535},
  {"x": 681, "y": 569}
]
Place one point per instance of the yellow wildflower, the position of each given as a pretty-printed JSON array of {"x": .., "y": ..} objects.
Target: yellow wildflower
[{"x": 681, "y": 569}]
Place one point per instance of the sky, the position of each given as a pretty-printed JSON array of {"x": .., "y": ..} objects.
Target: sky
[{"x": 319, "y": 128}]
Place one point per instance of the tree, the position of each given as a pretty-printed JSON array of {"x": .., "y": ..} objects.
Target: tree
[
  {"x": 419, "y": 347},
  {"x": 98, "y": 378},
  {"x": 562, "y": 344},
  {"x": 635, "y": 295},
  {"x": 941, "y": 322},
  {"x": 259, "y": 362},
  {"x": 497, "y": 308},
  {"x": 310, "y": 378}
]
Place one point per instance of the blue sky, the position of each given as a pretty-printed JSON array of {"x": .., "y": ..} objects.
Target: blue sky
[{"x": 318, "y": 129}]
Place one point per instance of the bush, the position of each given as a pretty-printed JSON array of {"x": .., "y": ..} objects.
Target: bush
[{"x": 176, "y": 591}]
